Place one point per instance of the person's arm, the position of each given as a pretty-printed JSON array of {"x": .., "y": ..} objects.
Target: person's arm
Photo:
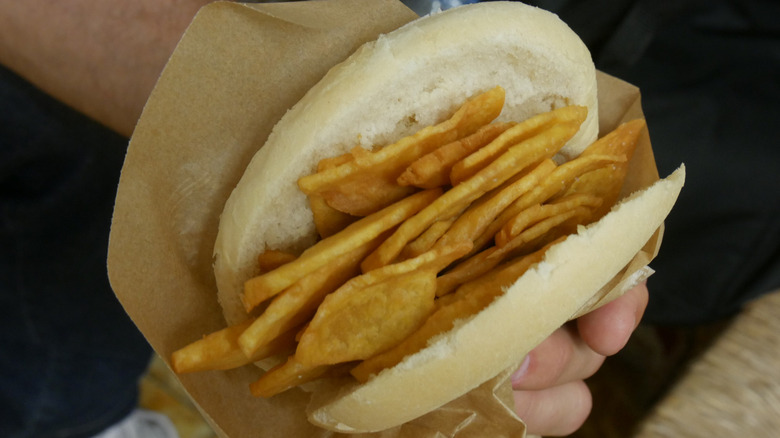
[{"x": 101, "y": 58}]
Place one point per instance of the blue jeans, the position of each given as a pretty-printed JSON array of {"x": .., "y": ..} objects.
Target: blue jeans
[{"x": 70, "y": 358}]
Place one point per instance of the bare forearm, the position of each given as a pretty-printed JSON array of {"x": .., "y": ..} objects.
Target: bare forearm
[{"x": 100, "y": 57}]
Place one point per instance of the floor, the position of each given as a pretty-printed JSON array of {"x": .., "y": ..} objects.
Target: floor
[
  {"x": 624, "y": 389},
  {"x": 161, "y": 392}
]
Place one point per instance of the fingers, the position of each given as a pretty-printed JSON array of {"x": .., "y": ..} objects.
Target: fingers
[
  {"x": 607, "y": 329},
  {"x": 555, "y": 411},
  {"x": 550, "y": 395},
  {"x": 562, "y": 358},
  {"x": 577, "y": 350}
]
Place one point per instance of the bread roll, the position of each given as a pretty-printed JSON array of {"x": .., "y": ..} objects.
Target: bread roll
[{"x": 405, "y": 80}]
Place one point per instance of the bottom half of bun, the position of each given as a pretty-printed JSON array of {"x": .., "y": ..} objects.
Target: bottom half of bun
[{"x": 499, "y": 337}]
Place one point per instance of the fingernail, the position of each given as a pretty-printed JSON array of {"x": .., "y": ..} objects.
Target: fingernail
[{"x": 518, "y": 375}]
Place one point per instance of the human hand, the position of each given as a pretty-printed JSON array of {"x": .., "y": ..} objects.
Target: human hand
[{"x": 549, "y": 389}]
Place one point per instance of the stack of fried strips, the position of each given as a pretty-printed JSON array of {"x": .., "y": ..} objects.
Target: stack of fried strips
[{"x": 414, "y": 237}]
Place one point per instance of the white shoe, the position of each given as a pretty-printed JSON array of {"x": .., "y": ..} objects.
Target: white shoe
[{"x": 141, "y": 424}]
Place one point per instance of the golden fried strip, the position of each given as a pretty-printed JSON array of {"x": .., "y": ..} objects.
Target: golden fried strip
[
  {"x": 357, "y": 325},
  {"x": 298, "y": 303},
  {"x": 513, "y": 161},
  {"x": 436, "y": 259},
  {"x": 329, "y": 163},
  {"x": 467, "y": 270},
  {"x": 538, "y": 212},
  {"x": 439, "y": 322},
  {"x": 364, "y": 193},
  {"x": 371, "y": 314},
  {"x": 607, "y": 181},
  {"x": 553, "y": 184},
  {"x": 544, "y": 231},
  {"x": 285, "y": 376},
  {"x": 620, "y": 141},
  {"x": 345, "y": 186},
  {"x": 220, "y": 350},
  {"x": 270, "y": 259},
  {"x": 473, "y": 163},
  {"x": 472, "y": 223},
  {"x": 504, "y": 275},
  {"x": 463, "y": 304},
  {"x": 258, "y": 289},
  {"x": 427, "y": 239},
  {"x": 433, "y": 169},
  {"x": 327, "y": 220}
]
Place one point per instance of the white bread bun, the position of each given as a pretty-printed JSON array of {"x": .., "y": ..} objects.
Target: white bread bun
[
  {"x": 410, "y": 78},
  {"x": 539, "y": 302}
]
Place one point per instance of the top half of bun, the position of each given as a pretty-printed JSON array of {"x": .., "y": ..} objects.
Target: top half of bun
[{"x": 405, "y": 80}]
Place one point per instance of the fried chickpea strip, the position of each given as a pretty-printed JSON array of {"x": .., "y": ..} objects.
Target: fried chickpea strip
[
  {"x": 433, "y": 169},
  {"x": 220, "y": 350},
  {"x": 259, "y": 289},
  {"x": 531, "y": 127},
  {"x": 482, "y": 262},
  {"x": 369, "y": 181},
  {"x": 471, "y": 300},
  {"x": 496, "y": 173},
  {"x": 479, "y": 216}
]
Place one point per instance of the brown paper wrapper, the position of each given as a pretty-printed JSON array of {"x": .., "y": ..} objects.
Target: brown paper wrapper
[{"x": 235, "y": 72}]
